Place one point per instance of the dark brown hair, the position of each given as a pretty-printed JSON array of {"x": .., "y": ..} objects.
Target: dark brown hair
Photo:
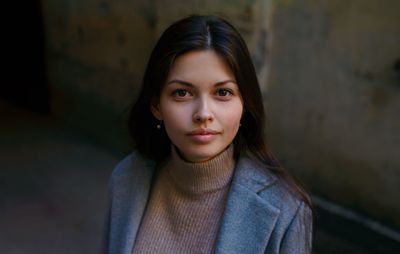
[{"x": 204, "y": 33}]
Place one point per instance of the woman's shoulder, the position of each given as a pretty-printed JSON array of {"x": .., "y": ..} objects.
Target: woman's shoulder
[
  {"x": 132, "y": 166},
  {"x": 269, "y": 186},
  {"x": 290, "y": 203}
]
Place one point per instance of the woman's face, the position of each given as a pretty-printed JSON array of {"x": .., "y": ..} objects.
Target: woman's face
[{"x": 200, "y": 105}]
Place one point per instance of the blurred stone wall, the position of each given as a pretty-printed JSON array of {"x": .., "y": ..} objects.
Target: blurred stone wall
[
  {"x": 334, "y": 98},
  {"x": 327, "y": 70}
]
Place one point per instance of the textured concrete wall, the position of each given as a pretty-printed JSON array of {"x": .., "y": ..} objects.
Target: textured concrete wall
[
  {"x": 334, "y": 97},
  {"x": 97, "y": 51}
]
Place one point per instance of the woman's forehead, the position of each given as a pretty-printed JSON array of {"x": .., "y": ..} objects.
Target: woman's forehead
[{"x": 204, "y": 64}]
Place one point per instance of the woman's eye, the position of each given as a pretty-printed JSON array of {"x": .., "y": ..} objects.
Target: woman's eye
[
  {"x": 180, "y": 93},
  {"x": 224, "y": 92}
]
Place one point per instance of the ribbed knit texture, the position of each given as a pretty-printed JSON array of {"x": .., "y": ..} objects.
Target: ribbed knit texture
[{"x": 186, "y": 205}]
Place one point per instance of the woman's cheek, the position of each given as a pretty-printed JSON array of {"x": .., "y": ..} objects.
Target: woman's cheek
[{"x": 176, "y": 116}]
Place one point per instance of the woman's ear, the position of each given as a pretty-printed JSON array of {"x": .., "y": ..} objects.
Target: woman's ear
[{"x": 155, "y": 109}]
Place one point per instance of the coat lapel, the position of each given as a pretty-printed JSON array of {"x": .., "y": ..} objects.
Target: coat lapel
[{"x": 248, "y": 219}]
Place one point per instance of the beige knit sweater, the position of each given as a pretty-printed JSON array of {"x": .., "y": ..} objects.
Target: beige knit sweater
[{"x": 186, "y": 204}]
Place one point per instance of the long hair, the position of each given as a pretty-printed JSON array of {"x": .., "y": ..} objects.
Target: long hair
[{"x": 204, "y": 33}]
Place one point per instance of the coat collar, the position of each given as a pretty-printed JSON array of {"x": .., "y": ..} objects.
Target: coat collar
[{"x": 248, "y": 219}]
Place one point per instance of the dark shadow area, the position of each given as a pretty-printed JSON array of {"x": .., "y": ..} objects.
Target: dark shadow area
[
  {"x": 24, "y": 81},
  {"x": 396, "y": 71},
  {"x": 335, "y": 234},
  {"x": 53, "y": 186}
]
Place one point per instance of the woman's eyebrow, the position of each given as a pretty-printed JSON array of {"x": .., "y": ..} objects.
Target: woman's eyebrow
[
  {"x": 225, "y": 82},
  {"x": 185, "y": 83}
]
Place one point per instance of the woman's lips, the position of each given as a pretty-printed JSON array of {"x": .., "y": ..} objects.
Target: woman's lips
[{"x": 203, "y": 135}]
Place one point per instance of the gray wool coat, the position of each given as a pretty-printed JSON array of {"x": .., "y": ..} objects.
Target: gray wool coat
[{"x": 261, "y": 214}]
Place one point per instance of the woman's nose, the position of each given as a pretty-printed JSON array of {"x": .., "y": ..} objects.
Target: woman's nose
[{"x": 202, "y": 112}]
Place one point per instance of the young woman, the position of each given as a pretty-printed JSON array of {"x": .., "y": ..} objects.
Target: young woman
[{"x": 201, "y": 178}]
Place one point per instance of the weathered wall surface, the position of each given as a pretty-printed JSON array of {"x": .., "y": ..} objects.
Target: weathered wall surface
[
  {"x": 97, "y": 51},
  {"x": 334, "y": 97},
  {"x": 331, "y": 85}
]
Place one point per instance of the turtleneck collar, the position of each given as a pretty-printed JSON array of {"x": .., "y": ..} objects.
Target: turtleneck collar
[{"x": 202, "y": 177}]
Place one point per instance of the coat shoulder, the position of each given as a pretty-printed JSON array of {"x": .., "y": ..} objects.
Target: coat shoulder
[
  {"x": 132, "y": 166},
  {"x": 294, "y": 225},
  {"x": 282, "y": 196},
  {"x": 123, "y": 165},
  {"x": 272, "y": 188}
]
